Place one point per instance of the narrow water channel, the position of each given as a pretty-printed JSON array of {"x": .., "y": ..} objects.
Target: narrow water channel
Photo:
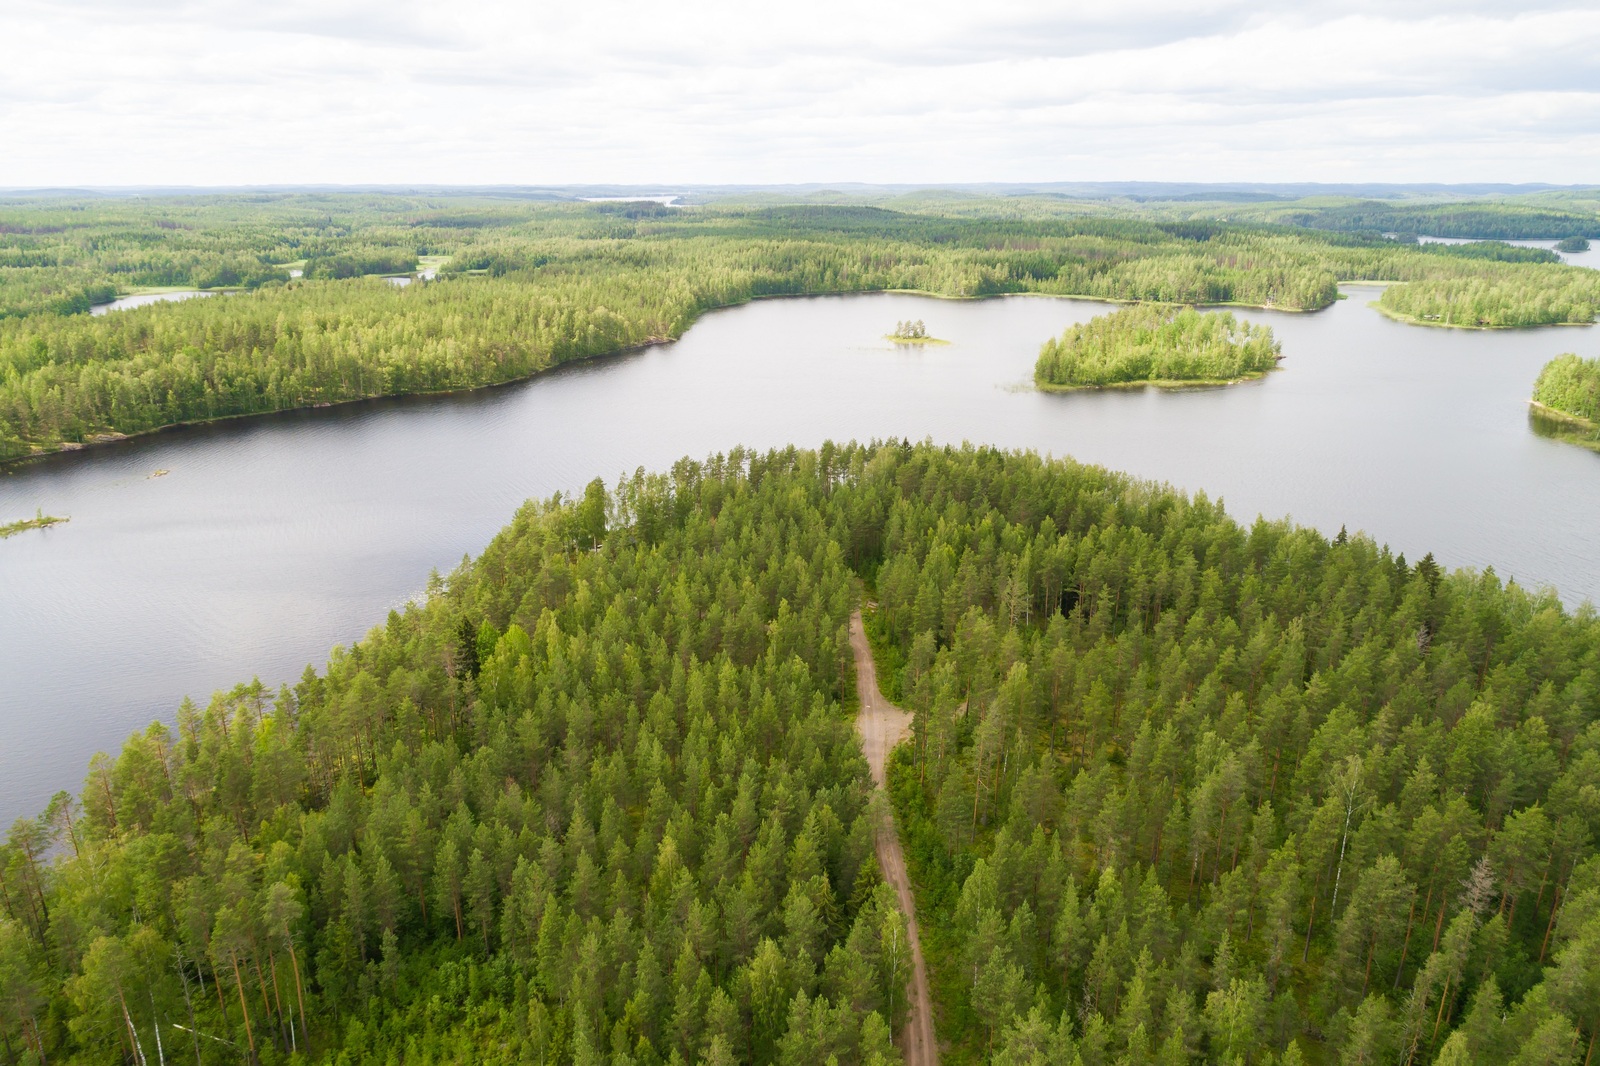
[{"x": 267, "y": 541}]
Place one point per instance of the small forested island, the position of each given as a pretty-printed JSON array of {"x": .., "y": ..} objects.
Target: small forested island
[
  {"x": 1149, "y": 344},
  {"x": 1567, "y": 396},
  {"x": 1178, "y": 790},
  {"x": 40, "y": 520},
  {"x": 1572, "y": 244},
  {"x": 913, "y": 333}
]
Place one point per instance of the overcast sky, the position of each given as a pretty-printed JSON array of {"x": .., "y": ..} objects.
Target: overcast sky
[{"x": 109, "y": 92}]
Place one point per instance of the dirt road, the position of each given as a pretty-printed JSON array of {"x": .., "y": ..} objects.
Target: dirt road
[{"x": 882, "y": 725}]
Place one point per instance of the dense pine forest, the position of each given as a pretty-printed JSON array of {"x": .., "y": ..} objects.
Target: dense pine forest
[
  {"x": 1178, "y": 791},
  {"x": 1547, "y": 215},
  {"x": 525, "y": 287},
  {"x": 1159, "y": 345}
]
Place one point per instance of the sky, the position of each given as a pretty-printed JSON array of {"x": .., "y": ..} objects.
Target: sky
[{"x": 228, "y": 92}]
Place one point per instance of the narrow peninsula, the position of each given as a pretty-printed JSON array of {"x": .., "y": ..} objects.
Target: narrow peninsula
[
  {"x": 1566, "y": 400},
  {"x": 1156, "y": 344}
]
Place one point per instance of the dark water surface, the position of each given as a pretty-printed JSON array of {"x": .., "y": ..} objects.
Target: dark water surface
[{"x": 272, "y": 539}]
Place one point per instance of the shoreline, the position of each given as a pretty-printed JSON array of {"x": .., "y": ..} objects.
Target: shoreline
[
  {"x": 100, "y": 440},
  {"x": 1558, "y": 415},
  {"x": 114, "y": 437},
  {"x": 1187, "y": 383},
  {"x": 1567, "y": 428},
  {"x": 1412, "y": 320}
]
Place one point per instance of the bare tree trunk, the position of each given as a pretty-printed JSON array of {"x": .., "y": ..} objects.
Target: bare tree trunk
[
  {"x": 155, "y": 1023},
  {"x": 277, "y": 996},
  {"x": 300, "y": 999},
  {"x": 1311, "y": 919},
  {"x": 189, "y": 1005},
  {"x": 39, "y": 1039},
  {"x": 238, "y": 982},
  {"x": 1405, "y": 948},
  {"x": 1555, "y": 908},
  {"x": 221, "y": 1003},
  {"x": 133, "y": 1033},
  {"x": 266, "y": 1003}
]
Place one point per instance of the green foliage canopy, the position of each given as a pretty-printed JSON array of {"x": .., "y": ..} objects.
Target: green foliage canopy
[
  {"x": 1178, "y": 790},
  {"x": 1570, "y": 385},
  {"x": 1151, "y": 343}
]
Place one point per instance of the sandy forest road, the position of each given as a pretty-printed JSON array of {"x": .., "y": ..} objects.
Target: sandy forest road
[{"x": 882, "y": 725}]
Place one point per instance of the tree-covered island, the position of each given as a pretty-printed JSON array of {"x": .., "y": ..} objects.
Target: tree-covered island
[
  {"x": 912, "y": 332},
  {"x": 1567, "y": 397},
  {"x": 1149, "y": 344}
]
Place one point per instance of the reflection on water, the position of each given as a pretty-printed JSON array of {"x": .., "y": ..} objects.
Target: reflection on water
[
  {"x": 1554, "y": 427},
  {"x": 272, "y": 539}
]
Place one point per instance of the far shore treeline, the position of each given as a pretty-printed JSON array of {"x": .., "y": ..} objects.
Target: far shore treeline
[{"x": 525, "y": 287}]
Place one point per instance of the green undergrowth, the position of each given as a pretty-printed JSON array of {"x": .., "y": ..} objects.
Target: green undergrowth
[{"x": 887, "y": 657}]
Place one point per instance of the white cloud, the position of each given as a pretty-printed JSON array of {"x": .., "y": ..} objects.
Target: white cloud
[{"x": 481, "y": 91}]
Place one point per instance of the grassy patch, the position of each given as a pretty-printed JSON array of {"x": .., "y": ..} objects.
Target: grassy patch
[
  {"x": 40, "y": 520},
  {"x": 887, "y": 657}
]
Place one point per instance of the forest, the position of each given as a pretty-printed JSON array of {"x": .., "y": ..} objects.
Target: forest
[
  {"x": 1148, "y": 343},
  {"x": 1570, "y": 385},
  {"x": 1178, "y": 790},
  {"x": 527, "y": 286},
  {"x": 1524, "y": 217},
  {"x": 1514, "y": 297},
  {"x": 1499, "y": 251}
]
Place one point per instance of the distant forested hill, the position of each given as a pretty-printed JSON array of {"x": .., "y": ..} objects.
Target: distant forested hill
[{"x": 1479, "y": 220}]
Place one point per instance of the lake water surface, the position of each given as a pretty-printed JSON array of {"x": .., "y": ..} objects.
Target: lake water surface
[
  {"x": 270, "y": 540},
  {"x": 1589, "y": 258},
  {"x": 123, "y": 303}
]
